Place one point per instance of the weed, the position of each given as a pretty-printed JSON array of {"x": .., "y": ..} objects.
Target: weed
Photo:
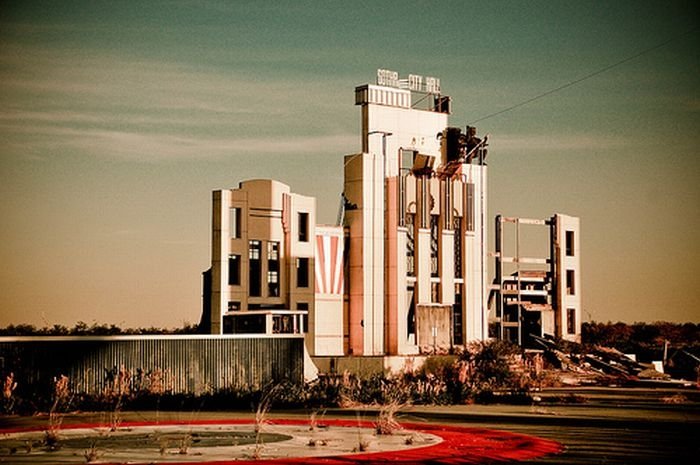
[
  {"x": 386, "y": 422},
  {"x": 185, "y": 443},
  {"x": 8, "y": 388},
  {"x": 264, "y": 405},
  {"x": 60, "y": 400},
  {"x": 92, "y": 453},
  {"x": 362, "y": 445}
]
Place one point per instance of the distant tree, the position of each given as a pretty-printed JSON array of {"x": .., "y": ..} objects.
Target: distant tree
[
  {"x": 647, "y": 340},
  {"x": 81, "y": 328}
]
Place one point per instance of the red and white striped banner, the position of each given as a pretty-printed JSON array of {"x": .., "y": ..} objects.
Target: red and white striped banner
[{"x": 329, "y": 264}]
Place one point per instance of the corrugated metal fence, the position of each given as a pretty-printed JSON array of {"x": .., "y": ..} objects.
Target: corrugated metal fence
[{"x": 176, "y": 364}]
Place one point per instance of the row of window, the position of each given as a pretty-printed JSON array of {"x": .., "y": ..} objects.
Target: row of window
[
  {"x": 434, "y": 231},
  {"x": 273, "y": 269},
  {"x": 235, "y": 226}
]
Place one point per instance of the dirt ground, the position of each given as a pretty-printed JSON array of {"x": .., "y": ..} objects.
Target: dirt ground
[{"x": 595, "y": 425}]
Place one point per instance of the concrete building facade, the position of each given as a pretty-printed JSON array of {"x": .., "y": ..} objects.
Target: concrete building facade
[
  {"x": 262, "y": 259},
  {"x": 415, "y": 219},
  {"x": 404, "y": 271}
]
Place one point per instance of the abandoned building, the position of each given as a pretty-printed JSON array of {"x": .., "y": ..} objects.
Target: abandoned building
[
  {"x": 403, "y": 274},
  {"x": 404, "y": 271},
  {"x": 537, "y": 295}
]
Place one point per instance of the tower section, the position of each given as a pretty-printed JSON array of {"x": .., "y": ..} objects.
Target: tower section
[{"x": 415, "y": 205}]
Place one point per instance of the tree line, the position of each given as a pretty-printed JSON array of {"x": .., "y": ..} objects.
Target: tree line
[{"x": 82, "y": 328}]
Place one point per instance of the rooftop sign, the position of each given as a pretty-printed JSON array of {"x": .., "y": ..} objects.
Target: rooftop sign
[{"x": 414, "y": 82}]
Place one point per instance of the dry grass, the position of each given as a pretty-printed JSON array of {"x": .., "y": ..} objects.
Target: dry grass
[
  {"x": 185, "y": 443},
  {"x": 674, "y": 399},
  {"x": 61, "y": 398}
]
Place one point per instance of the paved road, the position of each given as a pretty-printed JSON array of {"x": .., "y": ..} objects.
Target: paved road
[{"x": 612, "y": 427}]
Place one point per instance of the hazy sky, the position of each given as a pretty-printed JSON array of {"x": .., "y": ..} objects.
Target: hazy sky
[{"x": 118, "y": 119}]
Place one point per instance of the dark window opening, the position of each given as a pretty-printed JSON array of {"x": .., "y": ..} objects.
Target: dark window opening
[
  {"x": 411, "y": 314},
  {"x": 233, "y": 306},
  {"x": 457, "y": 338},
  {"x": 228, "y": 325},
  {"x": 273, "y": 268},
  {"x": 235, "y": 223},
  {"x": 570, "y": 282},
  {"x": 410, "y": 245},
  {"x": 458, "y": 245},
  {"x": 571, "y": 320},
  {"x": 434, "y": 267},
  {"x": 234, "y": 270},
  {"x": 303, "y": 227},
  {"x": 570, "y": 243},
  {"x": 254, "y": 279},
  {"x": 249, "y": 324},
  {"x": 471, "y": 206},
  {"x": 302, "y": 272}
]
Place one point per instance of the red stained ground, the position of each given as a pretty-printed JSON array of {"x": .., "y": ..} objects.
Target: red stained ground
[{"x": 459, "y": 445}]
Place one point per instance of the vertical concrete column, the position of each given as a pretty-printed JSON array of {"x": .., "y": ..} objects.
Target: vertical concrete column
[
  {"x": 392, "y": 257},
  {"x": 221, "y": 243},
  {"x": 422, "y": 245}
]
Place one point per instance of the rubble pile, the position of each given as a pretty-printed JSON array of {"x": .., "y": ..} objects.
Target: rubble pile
[{"x": 597, "y": 365}]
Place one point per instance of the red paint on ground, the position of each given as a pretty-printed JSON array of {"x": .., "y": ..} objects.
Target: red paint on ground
[{"x": 459, "y": 445}]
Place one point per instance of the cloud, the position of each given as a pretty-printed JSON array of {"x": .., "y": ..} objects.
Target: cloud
[
  {"x": 556, "y": 143},
  {"x": 154, "y": 147},
  {"x": 115, "y": 106}
]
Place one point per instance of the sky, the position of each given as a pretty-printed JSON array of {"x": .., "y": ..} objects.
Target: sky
[{"x": 118, "y": 120}]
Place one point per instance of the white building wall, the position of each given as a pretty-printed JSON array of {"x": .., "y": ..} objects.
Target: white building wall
[
  {"x": 566, "y": 262},
  {"x": 475, "y": 272}
]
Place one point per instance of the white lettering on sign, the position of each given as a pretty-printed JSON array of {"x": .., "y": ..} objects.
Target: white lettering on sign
[
  {"x": 414, "y": 82},
  {"x": 387, "y": 78},
  {"x": 432, "y": 85}
]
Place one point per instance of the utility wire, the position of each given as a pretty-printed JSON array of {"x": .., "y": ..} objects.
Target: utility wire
[{"x": 588, "y": 76}]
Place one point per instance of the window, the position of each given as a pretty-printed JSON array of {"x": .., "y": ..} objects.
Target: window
[
  {"x": 571, "y": 320},
  {"x": 303, "y": 227},
  {"x": 235, "y": 226},
  {"x": 569, "y": 243},
  {"x": 457, "y": 338},
  {"x": 282, "y": 324},
  {"x": 410, "y": 245},
  {"x": 305, "y": 318},
  {"x": 273, "y": 285},
  {"x": 254, "y": 249},
  {"x": 233, "y": 306},
  {"x": 434, "y": 242},
  {"x": 457, "y": 226},
  {"x": 273, "y": 269},
  {"x": 471, "y": 205},
  {"x": 234, "y": 270},
  {"x": 435, "y": 293},
  {"x": 570, "y": 282},
  {"x": 303, "y": 272}
]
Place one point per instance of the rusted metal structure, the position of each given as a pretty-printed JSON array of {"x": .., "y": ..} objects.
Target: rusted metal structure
[{"x": 181, "y": 364}]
